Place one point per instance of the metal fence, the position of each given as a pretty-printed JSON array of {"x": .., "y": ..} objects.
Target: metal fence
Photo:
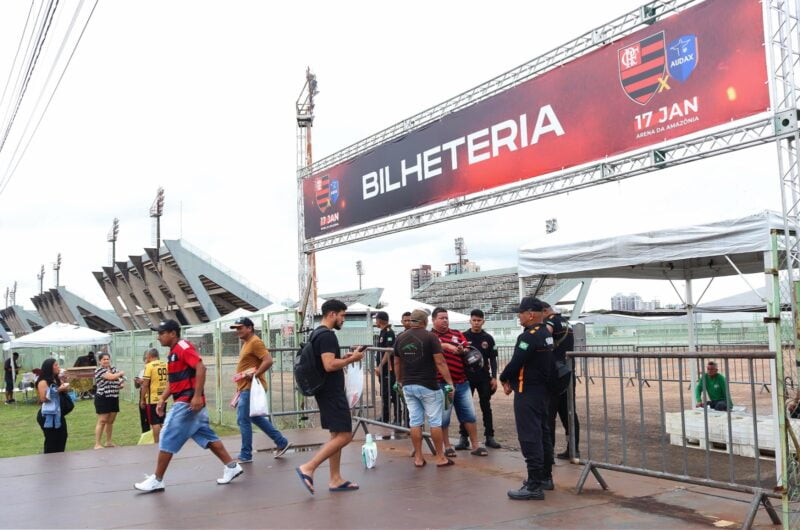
[{"x": 655, "y": 429}]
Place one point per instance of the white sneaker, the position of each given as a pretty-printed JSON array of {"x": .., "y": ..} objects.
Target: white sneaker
[
  {"x": 150, "y": 484},
  {"x": 230, "y": 473}
]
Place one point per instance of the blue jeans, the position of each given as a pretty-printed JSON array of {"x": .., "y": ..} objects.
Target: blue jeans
[
  {"x": 182, "y": 424},
  {"x": 244, "y": 420},
  {"x": 424, "y": 403},
  {"x": 462, "y": 402}
]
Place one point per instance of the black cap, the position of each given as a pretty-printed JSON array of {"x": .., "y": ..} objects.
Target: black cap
[
  {"x": 242, "y": 321},
  {"x": 530, "y": 303},
  {"x": 168, "y": 325},
  {"x": 382, "y": 315}
]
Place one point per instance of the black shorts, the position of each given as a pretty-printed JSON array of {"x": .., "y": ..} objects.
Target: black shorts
[
  {"x": 334, "y": 413},
  {"x": 152, "y": 417},
  {"x": 105, "y": 405},
  {"x": 9, "y": 383}
]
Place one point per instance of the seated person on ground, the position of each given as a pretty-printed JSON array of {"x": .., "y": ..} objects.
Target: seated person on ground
[{"x": 716, "y": 389}]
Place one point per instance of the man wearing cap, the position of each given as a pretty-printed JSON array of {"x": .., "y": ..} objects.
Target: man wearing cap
[
  {"x": 417, "y": 358},
  {"x": 254, "y": 361},
  {"x": 527, "y": 375},
  {"x": 188, "y": 417},
  {"x": 384, "y": 370},
  {"x": 563, "y": 342}
]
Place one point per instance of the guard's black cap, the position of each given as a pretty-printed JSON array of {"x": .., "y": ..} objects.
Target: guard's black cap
[
  {"x": 168, "y": 325},
  {"x": 530, "y": 303},
  {"x": 242, "y": 321},
  {"x": 382, "y": 315}
]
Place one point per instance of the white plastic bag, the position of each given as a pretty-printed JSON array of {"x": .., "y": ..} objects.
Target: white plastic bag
[
  {"x": 353, "y": 383},
  {"x": 258, "y": 399},
  {"x": 369, "y": 452}
]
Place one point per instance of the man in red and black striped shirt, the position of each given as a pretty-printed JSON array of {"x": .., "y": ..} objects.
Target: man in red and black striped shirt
[
  {"x": 188, "y": 417},
  {"x": 453, "y": 345}
]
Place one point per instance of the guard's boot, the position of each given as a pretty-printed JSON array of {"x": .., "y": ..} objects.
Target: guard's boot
[
  {"x": 530, "y": 491},
  {"x": 491, "y": 442},
  {"x": 565, "y": 455},
  {"x": 463, "y": 444},
  {"x": 547, "y": 483}
]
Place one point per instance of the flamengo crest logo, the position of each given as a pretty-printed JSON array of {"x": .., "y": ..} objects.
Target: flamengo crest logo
[
  {"x": 646, "y": 67},
  {"x": 642, "y": 68},
  {"x": 327, "y": 192}
]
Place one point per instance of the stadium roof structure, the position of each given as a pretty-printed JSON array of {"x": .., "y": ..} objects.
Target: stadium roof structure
[
  {"x": 369, "y": 297},
  {"x": 61, "y": 305},
  {"x": 21, "y": 321},
  {"x": 177, "y": 282}
]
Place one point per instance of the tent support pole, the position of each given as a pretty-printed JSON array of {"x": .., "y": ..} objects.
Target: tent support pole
[{"x": 692, "y": 346}]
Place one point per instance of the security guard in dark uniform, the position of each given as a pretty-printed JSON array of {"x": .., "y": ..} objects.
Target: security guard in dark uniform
[
  {"x": 563, "y": 342},
  {"x": 527, "y": 375},
  {"x": 383, "y": 369}
]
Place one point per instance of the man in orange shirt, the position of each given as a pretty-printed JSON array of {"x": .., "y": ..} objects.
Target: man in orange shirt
[{"x": 254, "y": 361}]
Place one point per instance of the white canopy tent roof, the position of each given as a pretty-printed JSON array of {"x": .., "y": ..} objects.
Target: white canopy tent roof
[
  {"x": 209, "y": 327},
  {"x": 60, "y": 334},
  {"x": 674, "y": 253}
]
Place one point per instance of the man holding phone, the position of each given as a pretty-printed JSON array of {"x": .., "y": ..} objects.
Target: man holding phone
[{"x": 334, "y": 410}]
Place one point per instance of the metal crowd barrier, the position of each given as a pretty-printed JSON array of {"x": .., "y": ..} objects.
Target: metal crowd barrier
[{"x": 662, "y": 435}]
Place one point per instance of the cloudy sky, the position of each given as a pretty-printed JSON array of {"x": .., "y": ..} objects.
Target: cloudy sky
[{"x": 198, "y": 97}]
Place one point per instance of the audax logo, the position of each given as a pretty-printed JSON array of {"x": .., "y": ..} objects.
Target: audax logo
[{"x": 682, "y": 57}]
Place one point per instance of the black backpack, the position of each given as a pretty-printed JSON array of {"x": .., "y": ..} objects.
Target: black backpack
[
  {"x": 307, "y": 374},
  {"x": 561, "y": 373}
]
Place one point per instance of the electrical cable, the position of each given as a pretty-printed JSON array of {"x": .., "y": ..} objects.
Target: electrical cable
[
  {"x": 16, "y": 55},
  {"x": 12, "y": 169}
]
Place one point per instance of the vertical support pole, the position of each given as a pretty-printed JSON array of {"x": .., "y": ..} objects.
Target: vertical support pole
[
  {"x": 773, "y": 321},
  {"x": 692, "y": 346},
  {"x": 218, "y": 378}
]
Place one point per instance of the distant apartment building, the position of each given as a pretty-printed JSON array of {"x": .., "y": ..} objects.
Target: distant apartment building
[
  {"x": 466, "y": 266},
  {"x": 422, "y": 275},
  {"x": 633, "y": 302}
]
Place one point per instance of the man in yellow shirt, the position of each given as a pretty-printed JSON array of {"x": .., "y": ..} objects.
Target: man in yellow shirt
[
  {"x": 254, "y": 361},
  {"x": 154, "y": 382}
]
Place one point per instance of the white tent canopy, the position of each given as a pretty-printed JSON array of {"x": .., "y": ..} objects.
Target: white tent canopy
[
  {"x": 60, "y": 334},
  {"x": 210, "y": 327},
  {"x": 674, "y": 253}
]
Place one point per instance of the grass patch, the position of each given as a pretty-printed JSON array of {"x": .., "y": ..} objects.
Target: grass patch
[{"x": 20, "y": 435}]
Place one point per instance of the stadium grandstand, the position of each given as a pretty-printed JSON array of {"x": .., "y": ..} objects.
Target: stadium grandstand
[
  {"x": 176, "y": 281},
  {"x": 369, "y": 297},
  {"x": 496, "y": 292},
  {"x": 20, "y": 321},
  {"x": 61, "y": 305}
]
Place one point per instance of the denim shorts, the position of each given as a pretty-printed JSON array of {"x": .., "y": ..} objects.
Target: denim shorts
[
  {"x": 462, "y": 403},
  {"x": 424, "y": 403},
  {"x": 182, "y": 424}
]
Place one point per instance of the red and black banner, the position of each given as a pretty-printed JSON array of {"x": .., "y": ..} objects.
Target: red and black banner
[{"x": 697, "y": 69}]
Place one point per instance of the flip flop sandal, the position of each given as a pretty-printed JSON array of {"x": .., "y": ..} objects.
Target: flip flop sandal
[
  {"x": 449, "y": 463},
  {"x": 450, "y": 452},
  {"x": 480, "y": 451},
  {"x": 345, "y": 486},
  {"x": 306, "y": 480},
  {"x": 424, "y": 463}
]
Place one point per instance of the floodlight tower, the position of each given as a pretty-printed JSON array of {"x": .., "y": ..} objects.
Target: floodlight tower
[
  {"x": 40, "y": 277},
  {"x": 14, "y": 294},
  {"x": 550, "y": 225},
  {"x": 156, "y": 211},
  {"x": 306, "y": 262},
  {"x": 360, "y": 272},
  {"x": 461, "y": 251},
  {"x": 57, "y": 268},
  {"x": 112, "y": 238}
]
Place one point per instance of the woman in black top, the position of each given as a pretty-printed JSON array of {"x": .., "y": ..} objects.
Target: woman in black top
[
  {"x": 106, "y": 399},
  {"x": 50, "y": 417}
]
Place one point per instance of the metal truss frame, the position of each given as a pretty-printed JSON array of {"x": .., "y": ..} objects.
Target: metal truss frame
[
  {"x": 589, "y": 41},
  {"x": 724, "y": 141}
]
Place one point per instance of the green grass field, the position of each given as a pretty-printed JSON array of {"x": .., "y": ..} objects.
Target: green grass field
[{"x": 20, "y": 434}]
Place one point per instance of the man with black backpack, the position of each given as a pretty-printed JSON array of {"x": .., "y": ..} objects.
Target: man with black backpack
[
  {"x": 331, "y": 399},
  {"x": 563, "y": 341}
]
